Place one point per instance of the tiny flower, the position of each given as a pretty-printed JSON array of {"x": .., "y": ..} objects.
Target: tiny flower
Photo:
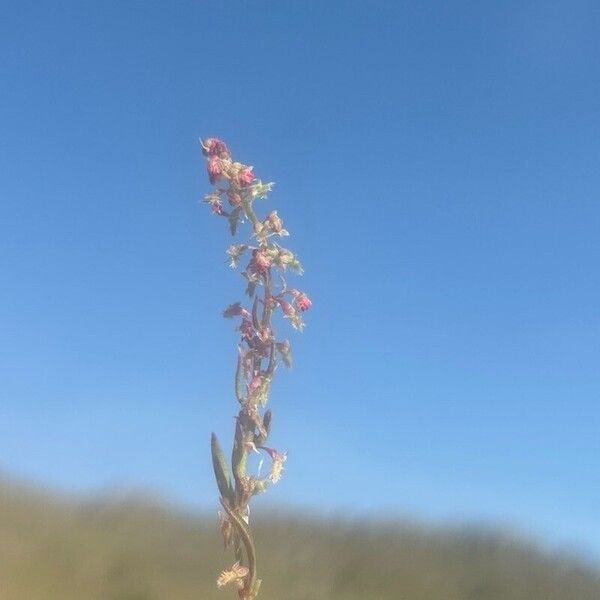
[
  {"x": 261, "y": 261},
  {"x": 245, "y": 177},
  {"x": 260, "y": 189},
  {"x": 303, "y": 302},
  {"x": 234, "y": 252},
  {"x": 214, "y": 201},
  {"x": 235, "y": 574},
  {"x": 214, "y": 147},
  {"x": 285, "y": 258},
  {"x": 276, "y": 224},
  {"x": 215, "y": 171},
  {"x": 278, "y": 459}
]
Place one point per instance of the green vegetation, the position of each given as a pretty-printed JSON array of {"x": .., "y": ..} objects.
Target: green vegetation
[{"x": 54, "y": 548}]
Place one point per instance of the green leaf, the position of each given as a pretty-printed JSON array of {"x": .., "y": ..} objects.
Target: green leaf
[
  {"x": 238, "y": 454},
  {"x": 221, "y": 470}
]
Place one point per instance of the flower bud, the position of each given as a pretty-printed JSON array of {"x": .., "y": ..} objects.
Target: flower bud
[
  {"x": 245, "y": 177},
  {"x": 234, "y": 252},
  {"x": 275, "y": 222},
  {"x": 278, "y": 459},
  {"x": 303, "y": 302},
  {"x": 214, "y": 169},
  {"x": 261, "y": 260},
  {"x": 234, "y": 575},
  {"x": 214, "y": 200},
  {"x": 214, "y": 147}
]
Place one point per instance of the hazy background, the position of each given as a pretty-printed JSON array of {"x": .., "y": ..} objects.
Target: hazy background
[{"x": 437, "y": 166}]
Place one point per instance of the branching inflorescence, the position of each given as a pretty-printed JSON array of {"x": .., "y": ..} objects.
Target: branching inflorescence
[{"x": 258, "y": 352}]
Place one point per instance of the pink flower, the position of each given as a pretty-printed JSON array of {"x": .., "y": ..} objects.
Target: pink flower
[
  {"x": 261, "y": 261},
  {"x": 215, "y": 147},
  {"x": 214, "y": 199},
  {"x": 214, "y": 169},
  {"x": 303, "y": 302},
  {"x": 245, "y": 177},
  {"x": 234, "y": 575},
  {"x": 274, "y": 224},
  {"x": 278, "y": 459}
]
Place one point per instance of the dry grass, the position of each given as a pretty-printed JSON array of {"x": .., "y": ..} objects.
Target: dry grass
[{"x": 52, "y": 548}]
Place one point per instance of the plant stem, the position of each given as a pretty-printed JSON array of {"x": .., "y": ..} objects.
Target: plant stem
[{"x": 244, "y": 533}]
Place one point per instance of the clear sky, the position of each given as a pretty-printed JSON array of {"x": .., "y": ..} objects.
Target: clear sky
[{"x": 437, "y": 166}]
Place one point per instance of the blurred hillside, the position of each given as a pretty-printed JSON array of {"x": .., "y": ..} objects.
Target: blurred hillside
[{"x": 54, "y": 548}]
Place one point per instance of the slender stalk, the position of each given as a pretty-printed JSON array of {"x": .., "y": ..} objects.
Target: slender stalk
[
  {"x": 246, "y": 536},
  {"x": 257, "y": 355}
]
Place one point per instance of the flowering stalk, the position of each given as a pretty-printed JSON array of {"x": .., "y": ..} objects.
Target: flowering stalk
[{"x": 258, "y": 352}]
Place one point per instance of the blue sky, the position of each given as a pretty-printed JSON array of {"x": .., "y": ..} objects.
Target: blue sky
[{"x": 437, "y": 166}]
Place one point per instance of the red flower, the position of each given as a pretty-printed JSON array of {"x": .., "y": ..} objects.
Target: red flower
[
  {"x": 303, "y": 302},
  {"x": 215, "y": 147},
  {"x": 245, "y": 177},
  {"x": 214, "y": 169},
  {"x": 261, "y": 261}
]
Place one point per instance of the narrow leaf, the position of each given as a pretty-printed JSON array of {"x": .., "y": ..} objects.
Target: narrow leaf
[{"x": 221, "y": 469}]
